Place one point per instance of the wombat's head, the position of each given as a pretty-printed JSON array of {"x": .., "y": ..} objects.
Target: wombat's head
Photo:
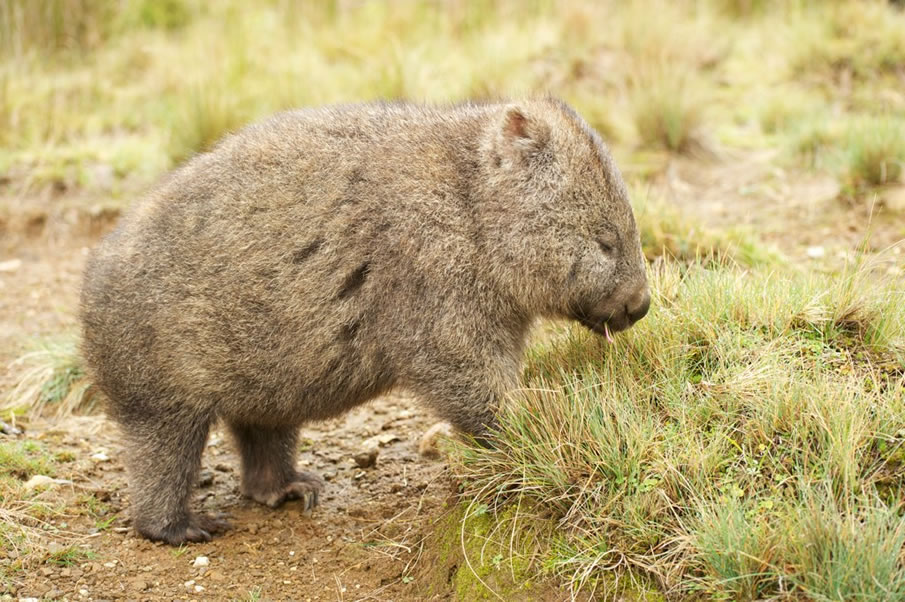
[{"x": 559, "y": 216}]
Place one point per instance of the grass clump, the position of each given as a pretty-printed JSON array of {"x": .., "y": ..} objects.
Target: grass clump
[
  {"x": 689, "y": 453},
  {"x": 52, "y": 377},
  {"x": 667, "y": 113},
  {"x": 42, "y": 26},
  {"x": 875, "y": 153},
  {"x": 852, "y": 40},
  {"x": 865, "y": 152}
]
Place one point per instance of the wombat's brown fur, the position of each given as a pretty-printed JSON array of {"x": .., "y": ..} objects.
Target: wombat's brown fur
[{"x": 323, "y": 257}]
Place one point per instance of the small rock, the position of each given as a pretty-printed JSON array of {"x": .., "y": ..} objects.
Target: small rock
[
  {"x": 329, "y": 475},
  {"x": 100, "y": 456},
  {"x": 428, "y": 444},
  {"x": 47, "y": 571},
  {"x": 206, "y": 478},
  {"x": 816, "y": 252},
  {"x": 201, "y": 561},
  {"x": 140, "y": 585},
  {"x": 188, "y": 584},
  {"x": 40, "y": 480},
  {"x": 379, "y": 440},
  {"x": 10, "y": 265},
  {"x": 29, "y": 600},
  {"x": 8, "y": 429},
  {"x": 366, "y": 459},
  {"x": 199, "y": 589},
  {"x": 358, "y": 475},
  {"x": 223, "y": 468}
]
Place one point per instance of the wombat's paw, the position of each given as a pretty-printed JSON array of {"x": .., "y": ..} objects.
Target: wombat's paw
[
  {"x": 213, "y": 523},
  {"x": 198, "y": 528},
  {"x": 306, "y": 487}
]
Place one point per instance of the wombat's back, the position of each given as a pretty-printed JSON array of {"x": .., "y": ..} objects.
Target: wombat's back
[{"x": 271, "y": 275}]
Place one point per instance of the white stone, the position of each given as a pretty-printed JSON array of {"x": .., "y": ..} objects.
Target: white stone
[
  {"x": 40, "y": 480},
  {"x": 816, "y": 252},
  {"x": 10, "y": 266}
]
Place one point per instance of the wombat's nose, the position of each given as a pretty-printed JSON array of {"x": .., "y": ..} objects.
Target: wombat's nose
[{"x": 638, "y": 305}]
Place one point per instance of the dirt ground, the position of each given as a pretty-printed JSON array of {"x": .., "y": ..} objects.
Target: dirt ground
[
  {"x": 366, "y": 540},
  {"x": 361, "y": 543}
]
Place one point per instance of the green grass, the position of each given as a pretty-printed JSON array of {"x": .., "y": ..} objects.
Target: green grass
[
  {"x": 875, "y": 153},
  {"x": 70, "y": 556},
  {"x": 692, "y": 451},
  {"x": 51, "y": 377},
  {"x": 21, "y": 460},
  {"x": 668, "y": 114},
  {"x": 666, "y": 233},
  {"x": 25, "y": 533},
  {"x": 140, "y": 86},
  {"x": 852, "y": 41},
  {"x": 866, "y": 152}
]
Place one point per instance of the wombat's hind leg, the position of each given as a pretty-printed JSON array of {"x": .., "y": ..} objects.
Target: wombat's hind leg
[
  {"x": 164, "y": 454},
  {"x": 269, "y": 475}
]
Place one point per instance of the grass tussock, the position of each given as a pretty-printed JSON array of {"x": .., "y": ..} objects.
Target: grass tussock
[
  {"x": 865, "y": 152},
  {"x": 742, "y": 442},
  {"x": 668, "y": 114},
  {"x": 876, "y": 153},
  {"x": 41, "y": 26},
  {"x": 852, "y": 42},
  {"x": 51, "y": 379}
]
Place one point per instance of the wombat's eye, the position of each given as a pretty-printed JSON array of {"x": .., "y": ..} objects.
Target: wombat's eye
[{"x": 605, "y": 247}]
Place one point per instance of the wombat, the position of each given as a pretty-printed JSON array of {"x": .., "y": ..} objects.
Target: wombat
[{"x": 323, "y": 257}]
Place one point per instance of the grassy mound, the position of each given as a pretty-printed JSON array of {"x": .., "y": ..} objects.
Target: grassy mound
[{"x": 745, "y": 440}]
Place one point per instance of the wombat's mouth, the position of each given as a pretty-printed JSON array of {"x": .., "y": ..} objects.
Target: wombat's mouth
[
  {"x": 605, "y": 327},
  {"x": 614, "y": 315}
]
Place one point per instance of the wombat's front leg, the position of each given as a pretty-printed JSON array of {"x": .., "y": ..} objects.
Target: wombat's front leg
[
  {"x": 269, "y": 475},
  {"x": 469, "y": 404},
  {"x": 163, "y": 450}
]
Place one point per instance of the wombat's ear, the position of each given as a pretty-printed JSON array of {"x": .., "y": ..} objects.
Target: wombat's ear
[{"x": 522, "y": 136}]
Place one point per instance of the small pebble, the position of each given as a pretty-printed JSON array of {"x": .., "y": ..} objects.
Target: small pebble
[
  {"x": 201, "y": 561},
  {"x": 366, "y": 459},
  {"x": 8, "y": 429},
  {"x": 816, "y": 252},
  {"x": 205, "y": 479},
  {"x": 10, "y": 265}
]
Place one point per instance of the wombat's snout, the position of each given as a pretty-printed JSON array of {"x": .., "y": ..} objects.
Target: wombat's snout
[
  {"x": 638, "y": 304},
  {"x": 618, "y": 312}
]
